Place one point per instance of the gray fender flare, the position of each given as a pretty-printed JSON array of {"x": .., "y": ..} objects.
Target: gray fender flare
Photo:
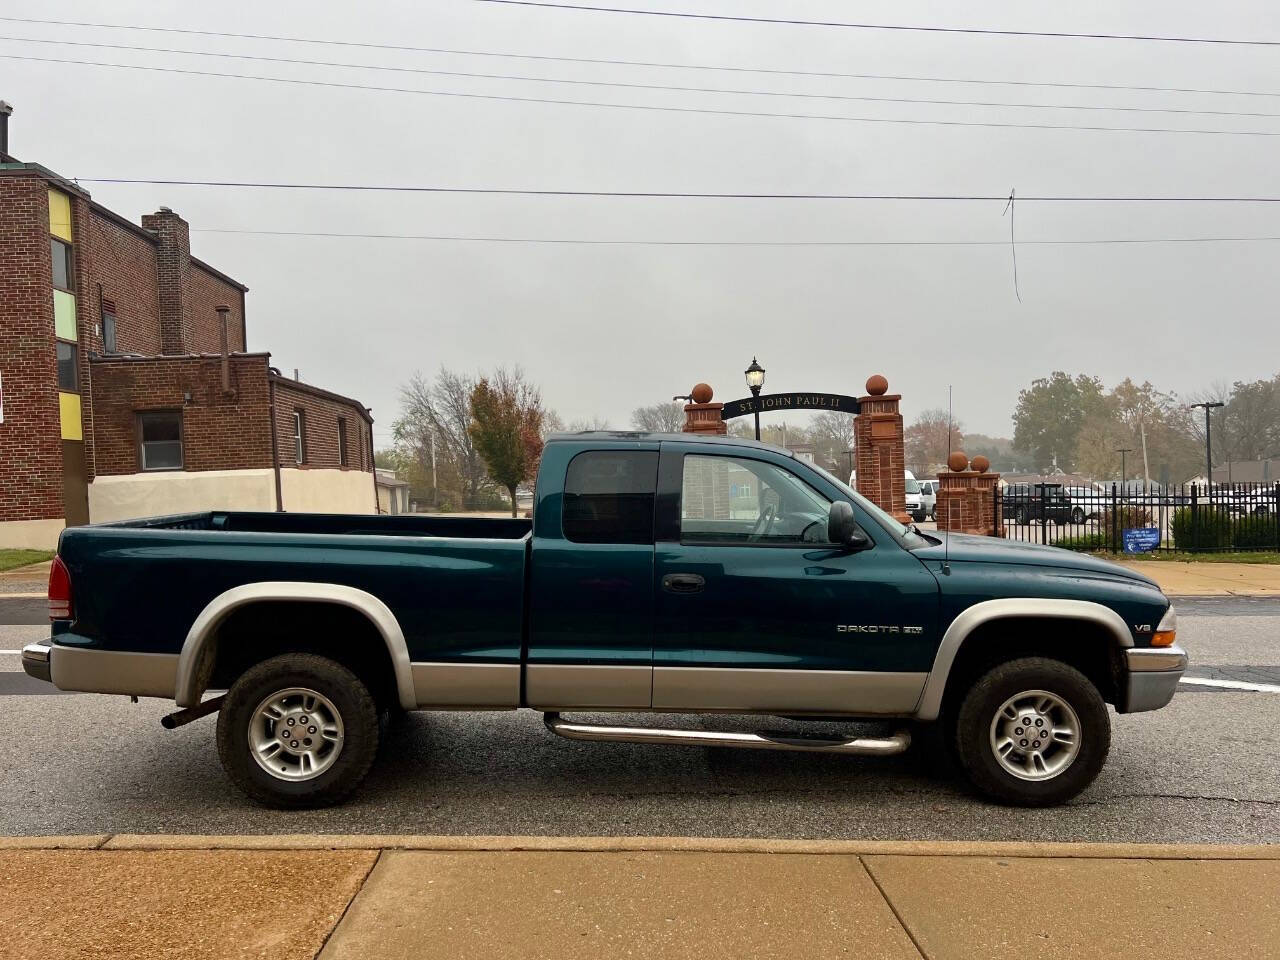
[
  {"x": 980, "y": 613},
  {"x": 188, "y": 692}
]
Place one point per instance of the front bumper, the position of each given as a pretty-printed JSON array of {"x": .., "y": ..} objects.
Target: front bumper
[
  {"x": 1151, "y": 677},
  {"x": 36, "y": 661}
]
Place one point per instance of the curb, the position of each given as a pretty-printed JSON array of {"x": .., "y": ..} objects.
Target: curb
[{"x": 515, "y": 844}]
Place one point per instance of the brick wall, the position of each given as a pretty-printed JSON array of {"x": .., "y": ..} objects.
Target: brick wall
[
  {"x": 203, "y": 293},
  {"x": 219, "y": 432},
  {"x": 321, "y": 411},
  {"x": 30, "y": 439},
  {"x": 122, "y": 269}
]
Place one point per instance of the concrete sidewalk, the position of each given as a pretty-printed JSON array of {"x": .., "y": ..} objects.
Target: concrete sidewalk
[
  {"x": 1180, "y": 578},
  {"x": 565, "y": 898}
]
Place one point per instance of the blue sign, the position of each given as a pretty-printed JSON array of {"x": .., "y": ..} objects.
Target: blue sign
[{"x": 1141, "y": 539}]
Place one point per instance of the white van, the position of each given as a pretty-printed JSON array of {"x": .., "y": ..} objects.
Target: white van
[{"x": 916, "y": 505}]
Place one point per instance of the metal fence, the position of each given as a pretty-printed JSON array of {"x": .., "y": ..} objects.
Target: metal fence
[{"x": 1191, "y": 518}]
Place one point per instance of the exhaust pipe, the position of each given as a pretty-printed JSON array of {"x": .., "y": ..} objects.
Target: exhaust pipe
[
  {"x": 760, "y": 740},
  {"x": 180, "y": 719}
]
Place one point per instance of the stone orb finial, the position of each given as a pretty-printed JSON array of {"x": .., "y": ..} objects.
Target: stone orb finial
[
  {"x": 958, "y": 461},
  {"x": 981, "y": 463},
  {"x": 877, "y": 385},
  {"x": 702, "y": 393}
]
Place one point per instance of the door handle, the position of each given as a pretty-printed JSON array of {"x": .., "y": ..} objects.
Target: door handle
[{"x": 683, "y": 583}]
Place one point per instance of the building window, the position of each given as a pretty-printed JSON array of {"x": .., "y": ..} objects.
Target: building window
[
  {"x": 160, "y": 440},
  {"x": 109, "y": 326},
  {"x": 300, "y": 436},
  {"x": 342, "y": 442},
  {"x": 67, "y": 378},
  {"x": 63, "y": 273},
  {"x": 608, "y": 497}
]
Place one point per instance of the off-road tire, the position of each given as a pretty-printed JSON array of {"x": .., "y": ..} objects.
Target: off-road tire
[
  {"x": 342, "y": 688},
  {"x": 978, "y": 709}
]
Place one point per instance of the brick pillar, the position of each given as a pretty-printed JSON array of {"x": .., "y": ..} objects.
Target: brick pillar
[
  {"x": 173, "y": 257},
  {"x": 881, "y": 457},
  {"x": 703, "y": 416},
  {"x": 989, "y": 515},
  {"x": 966, "y": 497}
]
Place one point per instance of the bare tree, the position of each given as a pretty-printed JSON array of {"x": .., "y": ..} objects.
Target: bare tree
[
  {"x": 438, "y": 414},
  {"x": 928, "y": 441},
  {"x": 659, "y": 417},
  {"x": 584, "y": 424}
]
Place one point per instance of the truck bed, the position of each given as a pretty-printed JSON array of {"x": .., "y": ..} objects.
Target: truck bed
[{"x": 338, "y": 524}]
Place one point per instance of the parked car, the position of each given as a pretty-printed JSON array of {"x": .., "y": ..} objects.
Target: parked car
[
  {"x": 929, "y": 498},
  {"x": 915, "y": 499},
  {"x": 1029, "y": 502},
  {"x": 1087, "y": 503},
  {"x": 664, "y": 573}
]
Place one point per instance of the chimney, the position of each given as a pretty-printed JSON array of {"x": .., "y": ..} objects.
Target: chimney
[
  {"x": 226, "y": 357},
  {"x": 5, "y": 111},
  {"x": 173, "y": 258},
  {"x": 295, "y": 374}
]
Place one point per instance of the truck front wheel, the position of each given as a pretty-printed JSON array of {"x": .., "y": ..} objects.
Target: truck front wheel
[
  {"x": 1032, "y": 732},
  {"x": 298, "y": 731}
]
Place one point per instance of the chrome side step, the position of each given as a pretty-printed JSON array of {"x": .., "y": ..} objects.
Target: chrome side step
[{"x": 760, "y": 740}]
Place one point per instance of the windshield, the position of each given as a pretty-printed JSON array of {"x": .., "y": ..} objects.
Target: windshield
[
  {"x": 913, "y": 486},
  {"x": 885, "y": 520}
]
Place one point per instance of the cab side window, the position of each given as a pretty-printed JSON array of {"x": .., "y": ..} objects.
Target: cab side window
[
  {"x": 736, "y": 500},
  {"x": 608, "y": 497}
]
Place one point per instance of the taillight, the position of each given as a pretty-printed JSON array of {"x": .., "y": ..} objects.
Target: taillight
[{"x": 59, "y": 591}]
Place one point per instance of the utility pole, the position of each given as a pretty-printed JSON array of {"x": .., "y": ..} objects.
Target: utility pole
[
  {"x": 1209, "y": 407},
  {"x": 1146, "y": 467},
  {"x": 1122, "y": 451}
]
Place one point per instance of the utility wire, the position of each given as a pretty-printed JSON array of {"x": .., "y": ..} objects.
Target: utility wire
[
  {"x": 731, "y": 243},
  {"x": 656, "y": 194},
  {"x": 638, "y": 86},
  {"x": 640, "y": 63},
  {"x": 886, "y": 26},
  {"x": 332, "y": 84}
]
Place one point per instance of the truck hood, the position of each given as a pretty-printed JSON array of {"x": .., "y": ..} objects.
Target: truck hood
[{"x": 967, "y": 548}]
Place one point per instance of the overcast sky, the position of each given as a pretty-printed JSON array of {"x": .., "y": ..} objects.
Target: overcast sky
[{"x": 607, "y": 328}]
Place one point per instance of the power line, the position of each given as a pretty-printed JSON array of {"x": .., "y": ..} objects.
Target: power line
[
  {"x": 988, "y": 124},
  {"x": 638, "y": 86},
  {"x": 886, "y": 26},
  {"x": 640, "y": 63},
  {"x": 657, "y": 194},
  {"x": 731, "y": 243}
]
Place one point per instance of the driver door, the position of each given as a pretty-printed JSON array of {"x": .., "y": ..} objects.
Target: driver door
[{"x": 756, "y": 612}]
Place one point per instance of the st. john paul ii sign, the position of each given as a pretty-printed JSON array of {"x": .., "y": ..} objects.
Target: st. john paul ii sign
[{"x": 789, "y": 401}]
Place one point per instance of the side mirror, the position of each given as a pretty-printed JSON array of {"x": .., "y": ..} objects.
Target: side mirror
[{"x": 842, "y": 529}]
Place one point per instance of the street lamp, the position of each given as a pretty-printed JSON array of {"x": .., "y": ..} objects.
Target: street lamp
[
  {"x": 1209, "y": 406},
  {"x": 755, "y": 380},
  {"x": 1122, "y": 451}
]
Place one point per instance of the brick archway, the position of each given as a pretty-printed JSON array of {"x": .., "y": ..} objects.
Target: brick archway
[{"x": 879, "y": 454}]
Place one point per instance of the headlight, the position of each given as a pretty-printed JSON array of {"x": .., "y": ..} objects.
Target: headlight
[{"x": 1167, "y": 631}]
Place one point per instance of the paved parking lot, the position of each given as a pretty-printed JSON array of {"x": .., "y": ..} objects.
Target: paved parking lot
[{"x": 1203, "y": 770}]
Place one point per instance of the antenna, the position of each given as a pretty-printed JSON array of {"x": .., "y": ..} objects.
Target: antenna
[{"x": 946, "y": 534}]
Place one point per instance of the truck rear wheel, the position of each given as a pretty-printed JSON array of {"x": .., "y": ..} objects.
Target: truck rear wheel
[
  {"x": 298, "y": 731},
  {"x": 1032, "y": 732}
]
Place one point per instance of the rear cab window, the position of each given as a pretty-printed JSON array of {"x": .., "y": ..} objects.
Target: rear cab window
[{"x": 609, "y": 495}]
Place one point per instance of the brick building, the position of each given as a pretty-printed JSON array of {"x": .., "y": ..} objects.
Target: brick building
[{"x": 126, "y": 386}]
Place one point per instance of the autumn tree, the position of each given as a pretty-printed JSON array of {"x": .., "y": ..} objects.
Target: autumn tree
[
  {"x": 506, "y": 427},
  {"x": 659, "y": 417},
  {"x": 929, "y": 439}
]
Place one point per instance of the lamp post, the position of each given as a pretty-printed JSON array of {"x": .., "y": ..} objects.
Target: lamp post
[
  {"x": 1122, "y": 451},
  {"x": 1209, "y": 406},
  {"x": 755, "y": 380}
]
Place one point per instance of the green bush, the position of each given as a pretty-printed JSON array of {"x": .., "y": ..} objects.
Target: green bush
[
  {"x": 1088, "y": 542},
  {"x": 1202, "y": 529},
  {"x": 1255, "y": 532}
]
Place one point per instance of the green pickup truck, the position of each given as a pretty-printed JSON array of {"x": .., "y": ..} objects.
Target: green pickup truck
[{"x": 660, "y": 573}]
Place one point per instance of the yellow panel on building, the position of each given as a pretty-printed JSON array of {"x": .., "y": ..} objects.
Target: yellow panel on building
[
  {"x": 64, "y": 315},
  {"x": 60, "y": 215},
  {"x": 69, "y": 408}
]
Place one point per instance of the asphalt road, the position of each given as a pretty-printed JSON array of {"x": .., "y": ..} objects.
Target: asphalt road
[{"x": 1205, "y": 769}]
